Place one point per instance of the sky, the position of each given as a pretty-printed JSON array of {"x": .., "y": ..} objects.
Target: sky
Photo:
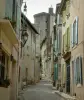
[{"x": 37, "y": 6}]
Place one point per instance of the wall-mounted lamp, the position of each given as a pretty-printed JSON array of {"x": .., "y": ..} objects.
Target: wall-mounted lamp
[
  {"x": 24, "y": 37},
  {"x": 25, "y": 7}
]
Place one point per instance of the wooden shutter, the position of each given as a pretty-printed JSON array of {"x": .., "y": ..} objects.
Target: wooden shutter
[
  {"x": 81, "y": 78},
  {"x": 58, "y": 42},
  {"x": 75, "y": 72},
  {"x": 55, "y": 72},
  {"x": 76, "y": 34},
  {"x": 68, "y": 37},
  {"x": 72, "y": 35},
  {"x": 9, "y": 9},
  {"x": 66, "y": 42}
]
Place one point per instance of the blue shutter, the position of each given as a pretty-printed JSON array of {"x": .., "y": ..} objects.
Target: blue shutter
[
  {"x": 76, "y": 34},
  {"x": 72, "y": 35},
  {"x": 75, "y": 72},
  {"x": 81, "y": 78}
]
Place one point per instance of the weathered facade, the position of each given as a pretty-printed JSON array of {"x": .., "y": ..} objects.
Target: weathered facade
[
  {"x": 72, "y": 48},
  {"x": 45, "y": 23},
  {"x": 30, "y": 57},
  {"x": 9, "y": 44},
  {"x": 57, "y": 48}
]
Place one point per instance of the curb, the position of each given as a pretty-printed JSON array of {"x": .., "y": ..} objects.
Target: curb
[{"x": 65, "y": 96}]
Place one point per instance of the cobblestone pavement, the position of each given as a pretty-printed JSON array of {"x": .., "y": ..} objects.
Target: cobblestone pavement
[{"x": 41, "y": 91}]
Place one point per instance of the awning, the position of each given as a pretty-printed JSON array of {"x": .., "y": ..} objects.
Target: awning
[{"x": 7, "y": 28}]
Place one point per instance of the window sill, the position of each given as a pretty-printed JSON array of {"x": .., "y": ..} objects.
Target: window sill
[{"x": 79, "y": 85}]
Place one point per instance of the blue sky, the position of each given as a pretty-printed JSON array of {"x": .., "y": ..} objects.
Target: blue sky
[{"x": 37, "y": 6}]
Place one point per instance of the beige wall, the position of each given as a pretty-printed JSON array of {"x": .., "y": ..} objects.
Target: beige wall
[
  {"x": 76, "y": 9},
  {"x": 29, "y": 61},
  {"x": 2, "y": 8}
]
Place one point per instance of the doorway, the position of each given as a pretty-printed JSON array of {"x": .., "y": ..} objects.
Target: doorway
[
  {"x": 13, "y": 81},
  {"x": 68, "y": 76}
]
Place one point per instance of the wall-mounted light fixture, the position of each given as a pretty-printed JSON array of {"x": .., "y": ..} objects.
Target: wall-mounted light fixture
[
  {"x": 24, "y": 37},
  {"x": 25, "y": 7}
]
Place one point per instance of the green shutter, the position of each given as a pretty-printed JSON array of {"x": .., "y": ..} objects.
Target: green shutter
[
  {"x": 56, "y": 72},
  {"x": 75, "y": 72},
  {"x": 68, "y": 37}
]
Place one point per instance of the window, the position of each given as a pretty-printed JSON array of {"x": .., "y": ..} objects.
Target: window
[
  {"x": 75, "y": 32},
  {"x": 77, "y": 64}
]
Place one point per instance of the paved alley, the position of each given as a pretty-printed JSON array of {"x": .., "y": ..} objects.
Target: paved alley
[{"x": 41, "y": 91}]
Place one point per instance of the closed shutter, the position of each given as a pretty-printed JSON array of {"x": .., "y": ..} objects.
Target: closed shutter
[
  {"x": 81, "y": 78},
  {"x": 55, "y": 72},
  {"x": 68, "y": 39},
  {"x": 55, "y": 45},
  {"x": 18, "y": 15},
  {"x": 64, "y": 72},
  {"x": 58, "y": 42},
  {"x": 72, "y": 35},
  {"x": 76, "y": 34},
  {"x": 9, "y": 9},
  {"x": 75, "y": 72},
  {"x": 65, "y": 42}
]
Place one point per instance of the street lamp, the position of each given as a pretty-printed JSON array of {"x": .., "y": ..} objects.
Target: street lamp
[
  {"x": 25, "y": 7},
  {"x": 24, "y": 37}
]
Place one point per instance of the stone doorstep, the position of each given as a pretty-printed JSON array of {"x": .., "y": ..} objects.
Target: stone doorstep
[{"x": 65, "y": 96}]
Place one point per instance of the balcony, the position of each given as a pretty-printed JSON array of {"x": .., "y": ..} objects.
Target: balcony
[
  {"x": 9, "y": 31},
  {"x": 66, "y": 54}
]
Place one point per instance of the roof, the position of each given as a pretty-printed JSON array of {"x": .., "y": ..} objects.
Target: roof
[
  {"x": 62, "y": 5},
  {"x": 29, "y": 23},
  {"x": 40, "y": 14}
]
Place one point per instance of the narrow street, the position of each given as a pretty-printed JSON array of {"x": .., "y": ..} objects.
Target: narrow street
[{"x": 41, "y": 91}]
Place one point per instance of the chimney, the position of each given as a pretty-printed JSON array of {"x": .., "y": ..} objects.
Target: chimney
[{"x": 51, "y": 10}]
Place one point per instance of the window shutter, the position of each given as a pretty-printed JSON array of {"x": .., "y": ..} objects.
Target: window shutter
[
  {"x": 75, "y": 72},
  {"x": 81, "y": 78},
  {"x": 72, "y": 35},
  {"x": 76, "y": 34},
  {"x": 68, "y": 33},
  {"x": 55, "y": 72},
  {"x": 58, "y": 42}
]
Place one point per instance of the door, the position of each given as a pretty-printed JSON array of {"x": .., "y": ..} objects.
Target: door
[
  {"x": 68, "y": 76},
  {"x": 13, "y": 82}
]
